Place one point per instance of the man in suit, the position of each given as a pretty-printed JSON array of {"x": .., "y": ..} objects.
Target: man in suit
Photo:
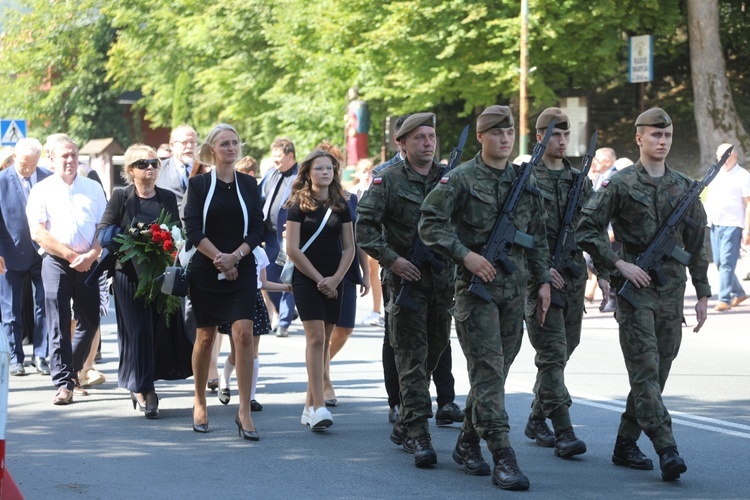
[
  {"x": 176, "y": 169},
  {"x": 19, "y": 256},
  {"x": 275, "y": 188}
]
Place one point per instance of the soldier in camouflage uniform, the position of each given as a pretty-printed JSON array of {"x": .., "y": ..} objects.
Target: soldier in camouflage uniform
[
  {"x": 457, "y": 219},
  {"x": 637, "y": 200},
  {"x": 386, "y": 230},
  {"x": 555, "y": 341}
]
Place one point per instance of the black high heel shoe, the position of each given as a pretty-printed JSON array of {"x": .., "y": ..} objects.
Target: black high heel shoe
[
  {"x": 225, "y": 396},
  {"x": 249, "y": 435},
  {"x": 137, "y": 402},
  {"x": 152, "y": 405},
  {"x": 202, "y": 428}
]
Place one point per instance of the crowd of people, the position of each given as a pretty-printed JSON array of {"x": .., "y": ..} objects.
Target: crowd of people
[{"x": 57, "y": 226}]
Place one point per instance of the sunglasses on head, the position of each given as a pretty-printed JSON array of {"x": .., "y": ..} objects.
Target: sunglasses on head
[{"x": 144, "y": 164}]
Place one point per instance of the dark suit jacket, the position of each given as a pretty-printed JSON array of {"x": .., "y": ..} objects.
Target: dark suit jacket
[
  {"x": 265, "y": 190},
  {"x": 123, "y": 207},
  {"x": 169, "y": 178},
  {"x": 16, "y": 245}
]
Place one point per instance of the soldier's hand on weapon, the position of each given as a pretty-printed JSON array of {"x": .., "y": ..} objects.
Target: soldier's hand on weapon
[
  {"x": 604, "y": 287},
  {"x": 701, "y": 313},
  {"x": 543, "y": 303},
  {"x": 406, "y": 270},
  {"x": 479, "y": 266},
  {"x": 635, "y": 274},
  {"x": 557, "y": 280}
]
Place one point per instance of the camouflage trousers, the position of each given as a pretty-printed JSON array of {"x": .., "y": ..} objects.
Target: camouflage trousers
[
  {"x": 418, "y": 339},
  {"x": 490, "y": 336},
  {"x": 554, "y": 343},
  {"x": 650, "y": 338}
]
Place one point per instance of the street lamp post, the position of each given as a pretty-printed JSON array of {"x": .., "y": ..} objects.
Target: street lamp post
[{"x": 523, "y": 108}]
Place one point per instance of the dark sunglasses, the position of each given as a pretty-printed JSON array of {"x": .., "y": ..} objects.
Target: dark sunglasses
[{"x": 144, "y": 164}]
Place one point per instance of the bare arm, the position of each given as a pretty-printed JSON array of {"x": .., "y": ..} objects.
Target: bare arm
[{"x": 50, "y": 244}]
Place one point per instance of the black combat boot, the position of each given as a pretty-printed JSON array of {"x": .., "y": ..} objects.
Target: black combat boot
[
  {"x": 400, "y": 437},
  {"x": 424, "y": 453},
  {"x": 672, "y": 465},
  {"x": 448, "y": 414},
  {"x": 468, "y": 453},
  {"x": 507, "y": 475},
  {"x": 568, "y": 445},
  {"x": 628, "y": 454},
  {"x": 537, "y": 429}
]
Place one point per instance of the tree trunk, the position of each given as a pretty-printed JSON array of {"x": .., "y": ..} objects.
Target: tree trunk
[{"x": 715, "y": 115}]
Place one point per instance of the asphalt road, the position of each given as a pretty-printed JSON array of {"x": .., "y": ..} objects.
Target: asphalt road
[{"x": 99, "y": 447}]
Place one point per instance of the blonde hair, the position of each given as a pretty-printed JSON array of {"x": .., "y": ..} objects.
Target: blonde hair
[
  {"x": 204, "y": 152},
  {"x": 134, "y": 153}
]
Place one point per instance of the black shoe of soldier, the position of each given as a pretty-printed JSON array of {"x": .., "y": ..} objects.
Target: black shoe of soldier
[
  {"x": 400, "y": 437},
  {"x": 628, "y": 454},
  {"x": 568, "y": 445},
  {"x": 507, "y": 475},
  {"x": 672, "y": 465},
  {"x": 449, "y": 413},
  {"x": 537, "y": 429},
  {"x": 424, "y": 453},
  {"x": 468, "y": 453}
]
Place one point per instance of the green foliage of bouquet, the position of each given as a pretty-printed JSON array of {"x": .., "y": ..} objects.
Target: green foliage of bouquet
[{"x": 153, "y": 247}]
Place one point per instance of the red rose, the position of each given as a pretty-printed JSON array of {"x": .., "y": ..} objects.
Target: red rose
[
  {"x": 174, "y": 254},
  {"x": 156, "y": 236},
  {"x": 168, "y": 246}
]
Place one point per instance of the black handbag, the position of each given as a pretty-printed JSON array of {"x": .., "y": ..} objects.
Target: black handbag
[{"x": 175, "y": 281}]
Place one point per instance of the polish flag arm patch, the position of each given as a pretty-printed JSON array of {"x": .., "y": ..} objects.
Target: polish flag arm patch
[
  {"x": 444, "y": 179},
  {"x": 377, "y": 181},
  {"x": 605, "y": 182}
]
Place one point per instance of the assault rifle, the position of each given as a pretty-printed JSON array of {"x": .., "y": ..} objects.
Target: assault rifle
[
  {"x": 663, "y": 246},
  {"x": 505, "y": 234},
  {"x": 566, "y": 248},
  {"x": 419, "y": 253}
]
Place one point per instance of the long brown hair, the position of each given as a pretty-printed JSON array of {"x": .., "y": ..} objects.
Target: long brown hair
[{"x": 302, "y": 192}]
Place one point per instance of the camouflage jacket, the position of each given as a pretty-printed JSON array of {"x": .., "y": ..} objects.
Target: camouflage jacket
[
  {"x": 638, "y": 204},
  {"x": 555, "y": 191},
  {"x": 459, "y": 214},
  {"x": 387, "y": 219}
]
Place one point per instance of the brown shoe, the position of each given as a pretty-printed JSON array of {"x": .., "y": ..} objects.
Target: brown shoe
[
  {"x": 80, "y": 391},
  {"x": 722, "y": 306},
  {"x": 738, "y": 300},
  {"x": 63, "y": 396}
]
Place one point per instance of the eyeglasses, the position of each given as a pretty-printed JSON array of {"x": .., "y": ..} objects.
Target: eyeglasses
[
  {"x": 144, "y": 164},
  {"x": 320, "y": 168}
]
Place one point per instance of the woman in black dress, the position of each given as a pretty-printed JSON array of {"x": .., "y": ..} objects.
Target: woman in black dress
[
  {"x": 222, "y": 280},
  {"x": 137, "y": 323},
  {"x": 319, "y": 271}
]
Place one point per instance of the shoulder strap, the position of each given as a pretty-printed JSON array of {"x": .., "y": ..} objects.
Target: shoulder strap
[
  {"x": 320, "y": 228},
  {"x": 242, "y": 203},
  {"x": 209, "y": 196}
]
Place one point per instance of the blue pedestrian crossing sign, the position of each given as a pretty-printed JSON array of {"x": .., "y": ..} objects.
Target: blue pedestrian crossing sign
[{"x": 12, "y": 131}]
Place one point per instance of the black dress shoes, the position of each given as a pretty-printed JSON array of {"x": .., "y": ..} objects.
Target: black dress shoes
[
  {"x": 41, "y": 365},
  {"x": 393, "y": 414},
  {"x": 16, "y": 369}
]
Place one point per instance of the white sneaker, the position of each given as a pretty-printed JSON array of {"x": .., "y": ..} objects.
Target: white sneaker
[
  {"x": 307, "y": 414},
  {"x": 321, "y": 419},
  {"x": 373, "y": 319},
  {"x": 282, "y": 331}
]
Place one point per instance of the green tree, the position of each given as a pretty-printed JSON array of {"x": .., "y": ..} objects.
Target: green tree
[{"x": 53, "y": 71}]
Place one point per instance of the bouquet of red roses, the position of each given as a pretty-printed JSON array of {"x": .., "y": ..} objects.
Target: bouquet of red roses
[{"x": 152, "y": 247}]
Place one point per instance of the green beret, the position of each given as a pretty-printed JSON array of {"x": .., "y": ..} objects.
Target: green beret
[
  {"x": 495, "y": 117},
  {"x": 414, "y": 121},
  {"x": 654, "y": 117},
  {"x": 561, "y": 119}
]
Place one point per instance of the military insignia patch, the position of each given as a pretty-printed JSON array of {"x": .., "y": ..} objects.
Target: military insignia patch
[
  {"x": 377, "y": 180},
  {"x": 604, "y": 183},
  {"x": 444, "y": 179}
]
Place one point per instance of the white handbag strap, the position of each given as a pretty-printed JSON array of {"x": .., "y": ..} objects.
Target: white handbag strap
[
  {"x": 320, "y": 228},
  {"x": 242, "y": 204}
]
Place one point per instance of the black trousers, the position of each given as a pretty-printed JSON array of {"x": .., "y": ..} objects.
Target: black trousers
[
  {"x": 442, "y": 376},
  {"x": 61, "y": 285}
]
